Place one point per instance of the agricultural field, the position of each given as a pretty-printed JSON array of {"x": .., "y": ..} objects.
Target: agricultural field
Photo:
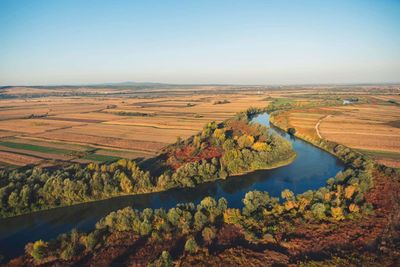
[
  {"x": 372, "y": 127},
  {"x": 45, "y": 129},
  {"x": 103, "y": 124}
]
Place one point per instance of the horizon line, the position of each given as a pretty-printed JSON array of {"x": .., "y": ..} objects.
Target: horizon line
[{"x": 131, "y": 83}]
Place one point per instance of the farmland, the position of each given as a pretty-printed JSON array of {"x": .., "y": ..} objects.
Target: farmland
[
  {"x": 56, "y": 124},
  {"x": 371, "y": 127},
  {"x": 47, "y": 128}
]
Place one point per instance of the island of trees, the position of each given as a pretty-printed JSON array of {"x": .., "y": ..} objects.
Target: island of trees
[{"x": 223, "y": 149}]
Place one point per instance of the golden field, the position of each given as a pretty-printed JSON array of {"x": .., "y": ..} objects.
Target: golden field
[
  {"x": 372, "y": 128},
  {"x": 84, "y": 129},
  {"x": 44, "y": 125}
]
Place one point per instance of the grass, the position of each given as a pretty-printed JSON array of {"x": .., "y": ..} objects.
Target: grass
[
  {"x": 37, "y": 148},
  {"x": 100, "y": 158}
]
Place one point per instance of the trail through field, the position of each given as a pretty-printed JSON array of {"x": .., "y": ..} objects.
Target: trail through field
[{"x": 317, "y": 125}]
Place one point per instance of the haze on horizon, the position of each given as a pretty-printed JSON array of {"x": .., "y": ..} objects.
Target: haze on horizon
[{"x": 244, "y": 42}]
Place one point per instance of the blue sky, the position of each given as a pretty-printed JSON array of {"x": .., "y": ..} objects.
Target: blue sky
[{"x": 245, "y": 42}]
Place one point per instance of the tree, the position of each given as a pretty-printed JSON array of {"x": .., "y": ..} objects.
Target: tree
[
  {"x": 68, "y": 252},
  {"x": 254, "y": 201},
  {"x": 145, "y": 228},
  {"x": 126, "y": 184},
  {"x": 245, "y": 141},
  {"x": 354, "y": 208},
  {"x": 261, "y": 146},
  {"x": 26, "y": 195},
  {"x": 318, "y": 211},
  {"x": 39, "y": 249},
  {"x": 349, "y": 191},
  {"x": 91, "y": 240},
  {"x": 165, "y": 260},
  {"x": 13, "y": 200},
  {"x": 208, "y": 234},
  {"x": 199, "y": 220},
  {"x": 287, "y": 194},
  {"x": 232, "y": 216},
  {"x": 337, "y": 213},
  {"x": 191, "y": 246},
  {"x": 291, "y": 131}
]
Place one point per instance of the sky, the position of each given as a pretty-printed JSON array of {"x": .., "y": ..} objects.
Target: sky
[{"x": 45, "y": 42}]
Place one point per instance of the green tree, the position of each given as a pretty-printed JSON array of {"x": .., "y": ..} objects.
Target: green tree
[
  {"x": 245, "y": 141},
  {"x": 191, "y": 246},
  {"x": 318, "y": 210},
  {"x": 69, "y": 251},
  {"x": 165, "y": 260},
  {"x": 208, "y": 234},
  {"x": 200, "y": 220},
  {"x": 39, "y": 249}
]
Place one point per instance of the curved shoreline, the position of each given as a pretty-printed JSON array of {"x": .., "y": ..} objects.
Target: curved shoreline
[
  {"x": 273, "y": 166},
  {"x": 298, "y": 173}
]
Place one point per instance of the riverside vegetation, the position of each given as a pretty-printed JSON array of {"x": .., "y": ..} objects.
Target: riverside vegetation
[
  {"x": 262, "y": 218},
  {"x": 191, "y": 234},
  {"x": 222, "y": 149}
]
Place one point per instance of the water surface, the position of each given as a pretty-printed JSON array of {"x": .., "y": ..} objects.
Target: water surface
[{"x": 310, "y": 170}]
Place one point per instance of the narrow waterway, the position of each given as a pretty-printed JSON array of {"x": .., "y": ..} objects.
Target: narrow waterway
[{"x": 310, "y": 170}]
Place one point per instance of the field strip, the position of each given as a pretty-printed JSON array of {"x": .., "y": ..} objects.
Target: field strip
[
  {"x": 361, "y": 133},
  {"x": 51, "y": 143},
  {"x": 148, "y": 125},
  {"x": 21, "y": 152},
  {"x": 18, "y": 159},
  {"x": 96, "y": 145},
  {"x": 86, "y": 145}
]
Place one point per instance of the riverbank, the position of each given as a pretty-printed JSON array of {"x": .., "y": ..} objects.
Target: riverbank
[
  {"x": 83, "y": 217},
  {"x": 217, "y": 156},
  {"x": 296, "y": 238},
  {"x": 282, "y": 163}
]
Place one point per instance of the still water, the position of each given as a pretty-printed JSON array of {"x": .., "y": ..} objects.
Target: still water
[{"x": 310, "y": 170}]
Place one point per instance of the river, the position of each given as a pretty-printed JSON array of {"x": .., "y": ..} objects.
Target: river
[{"x": 310, "y": 170}]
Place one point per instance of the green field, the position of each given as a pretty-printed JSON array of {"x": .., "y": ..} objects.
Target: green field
[{"x": 37, "y": 148}]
